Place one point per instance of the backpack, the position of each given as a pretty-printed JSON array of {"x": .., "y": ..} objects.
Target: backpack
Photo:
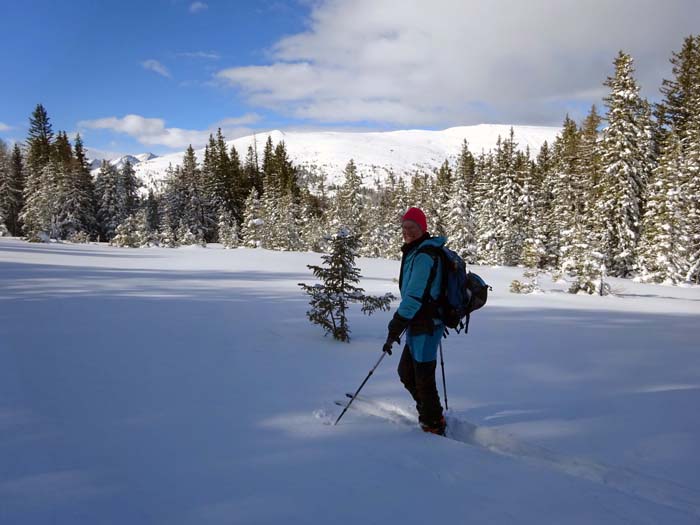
[{"x": 461, "y": 292}]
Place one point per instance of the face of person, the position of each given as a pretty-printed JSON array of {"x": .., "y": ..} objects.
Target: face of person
[{"x": 411, "y": 231}]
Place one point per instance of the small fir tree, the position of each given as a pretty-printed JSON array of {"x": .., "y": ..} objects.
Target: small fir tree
[
  {"x": 228, "y": 230},
  {"x": 186, "y": 237},
  {"x": 4, "y": 232},
  {"x": 329, "y": 301},
  {"x": 125, "y": 235},
  {"x": 533, "y": 253},
  {"x": 168, "y": 236}
]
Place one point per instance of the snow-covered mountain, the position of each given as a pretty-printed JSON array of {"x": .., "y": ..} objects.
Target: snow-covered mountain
[
  {"x": 376, "y": 154},
  {"x": 119, "y": 162}
]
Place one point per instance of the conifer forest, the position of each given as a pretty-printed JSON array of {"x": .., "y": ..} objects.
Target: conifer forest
[{"x": 617, "y": 194}]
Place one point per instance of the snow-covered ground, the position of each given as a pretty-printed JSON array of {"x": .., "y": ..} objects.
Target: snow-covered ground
[{"x": 186, "y": 386}]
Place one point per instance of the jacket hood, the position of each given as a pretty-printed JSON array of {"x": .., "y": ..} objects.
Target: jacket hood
[{"x": 438, "y": 242}]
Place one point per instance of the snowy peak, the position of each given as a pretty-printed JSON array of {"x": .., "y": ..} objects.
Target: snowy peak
[
  {"x": 121, "y": 161},
  {"x": 376, "y": 154},
  {"x": 142, "y": 157}
]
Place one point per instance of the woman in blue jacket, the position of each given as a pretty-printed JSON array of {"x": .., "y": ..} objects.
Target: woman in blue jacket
[{"x": 423, "y": 328}]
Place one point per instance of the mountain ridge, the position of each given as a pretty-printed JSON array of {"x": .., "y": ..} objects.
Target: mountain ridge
[{"x": 376, "y": 154}]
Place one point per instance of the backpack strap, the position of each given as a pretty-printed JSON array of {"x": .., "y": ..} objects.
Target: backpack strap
[{"x": 435, "y": 254}]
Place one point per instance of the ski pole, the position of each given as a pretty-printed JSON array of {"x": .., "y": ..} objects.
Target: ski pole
[
  {"x": 444, "y": 385},
  {"x": 358, "y": 390}
]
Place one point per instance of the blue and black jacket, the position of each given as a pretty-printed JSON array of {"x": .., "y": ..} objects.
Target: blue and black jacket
[{"x": 425, "y": 330}]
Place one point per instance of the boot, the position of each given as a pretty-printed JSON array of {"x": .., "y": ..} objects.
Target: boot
[{"x": 435, "y": 427}]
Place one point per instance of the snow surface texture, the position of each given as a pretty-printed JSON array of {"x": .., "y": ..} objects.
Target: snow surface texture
[
  {"x": 186, "y": 386},
  {"x": 375, "y": 154}
]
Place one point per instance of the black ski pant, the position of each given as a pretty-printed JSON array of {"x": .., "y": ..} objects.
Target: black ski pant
[{"x": 419, "y": 380}]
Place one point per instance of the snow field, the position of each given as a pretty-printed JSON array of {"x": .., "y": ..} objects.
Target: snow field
[{"x": 186, "y": 386}]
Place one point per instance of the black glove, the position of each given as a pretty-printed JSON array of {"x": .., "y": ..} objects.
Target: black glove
[
  {"x": 396, "y": 327},
  {"x": 387, "y": 347}
]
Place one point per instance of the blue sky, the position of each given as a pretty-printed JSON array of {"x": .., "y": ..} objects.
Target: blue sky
[
  {"x": 135, "y": 76},
  {"x": 84, "y": 60}
]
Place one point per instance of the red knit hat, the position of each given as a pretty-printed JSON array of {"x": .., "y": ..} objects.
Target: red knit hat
[{"x": 416, "y": 215}]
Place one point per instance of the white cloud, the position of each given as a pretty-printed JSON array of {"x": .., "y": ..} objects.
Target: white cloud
[
  {"x": 196, "y": 7},
  {"x": 52, "y": 488},
  {"x": 248, "y": 118},
  {"x": 154, "y": 65},
  {"x": 153, "y": 132},
  {"x": 462, "y": 61},
  {"x": 209, "y": 55},
  {"x": 4, "y": 127}
]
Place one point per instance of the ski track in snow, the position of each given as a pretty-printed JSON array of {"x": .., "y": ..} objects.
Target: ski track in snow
[{"x": 627, "y": 481}]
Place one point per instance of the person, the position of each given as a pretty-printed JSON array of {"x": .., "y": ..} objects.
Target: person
[{"x": 423, "y": 328}]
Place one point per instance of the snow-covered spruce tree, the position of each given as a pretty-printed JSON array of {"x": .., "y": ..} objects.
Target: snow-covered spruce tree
[
  {"x": 270, "y": 213},
  {"x": 186, "y": 237},
  {"x": 459, "y": 205},
  {"x": 131, "y": 233},
  {"x": 329, "y": 301},
  {"x": 398, "y": 203},
  {"x": 197, "y": 216},
  {"x": 378, "y": 238},
  {"x": 253, "y": 223},
  {"x": 286, "y": 171},
  {"x": 76, "y": 195},
  {"x": 14, "y": 192},
  {"x": 508, "y": 229},
  {"x": 148, "y": 236},
  {"x": 440, "y": 192},
  {"x": 543, "y": 231},
  {"x": 675, "y": 110},
  {"x": 168, "y": 236},
  {"x": 691, "y": 188},
  {"x": 567, "y": 194},
  {"x": 678, "y": 114},
  {"x": 488, "y": 189},
  {"x": 39, "y": 214},
  {"x": 465, "y": 168},
  {"x": 533, "y": 253},
  {"x": 109, "y": 201},
  {"x": 11, "y": 187},
  {"x": 223, "y": 182},
  {"x": 288, "y": 229},
  {"x": 228, "y": 230},
  {"x": 251, "y": 170},
  {"x": 662, "y": 254},
  {"x": 591, "y": 173},
  {"x": 460, "y": 224},
  {"x": 185, "y": 202},
  {"x": 41, "y": 179},
  {"x": 85, "y": 187},
  {"x": 313, "y": 222},
  {"x": 280, "y": 202},
  {"x": 581, "y": 262},
  {"x": 153, "y": 212},
  {"x": 4, "y": 232},
  {"x": 349, "y": 202},
  {"x": 7, "y": 195},
  {"x": 626, "y": 162}
]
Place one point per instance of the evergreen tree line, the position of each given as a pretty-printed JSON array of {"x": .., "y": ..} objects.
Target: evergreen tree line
[{"x": 624, "y": 201}]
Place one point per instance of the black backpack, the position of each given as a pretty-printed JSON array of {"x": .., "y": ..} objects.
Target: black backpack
[{"x": 461, "y": 292}]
